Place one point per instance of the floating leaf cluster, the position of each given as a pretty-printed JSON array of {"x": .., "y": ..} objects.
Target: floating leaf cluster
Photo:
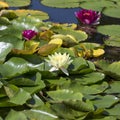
[{"x": 29, "y": 90}]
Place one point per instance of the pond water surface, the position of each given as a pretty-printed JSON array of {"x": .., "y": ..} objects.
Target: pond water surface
[{"x": 60, "y": 15}]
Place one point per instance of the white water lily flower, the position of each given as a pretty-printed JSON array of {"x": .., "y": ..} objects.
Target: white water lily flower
[{"x": 59, "y": 61}]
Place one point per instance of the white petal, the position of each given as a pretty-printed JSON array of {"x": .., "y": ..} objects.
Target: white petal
[
  {"x": 53, "y": 69},
  {"x": 64, "y": 71}
]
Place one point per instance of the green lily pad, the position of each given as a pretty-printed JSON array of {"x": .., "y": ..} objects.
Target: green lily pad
[
  {"x": 115, "y": 110},
  {"x": 14, "y": 115},
  {"x": 113, "y": 41},
  {"x": 17, "y": 66},
  {"x": 16, "y": 95},
  {"x": 35, "y": 13},
  {"x": 77, "y": 34},
  {"x": 112, "y": 12},
  {"x": 97, "y": 5},
  {"x": 90, "y": 78},
  {"x": 105, "y": 101},
  {"x": 114, "y": 88},
  {"x": 5, "y": 48},
  {"x": 91, "y": 89},
  {"x": 4, "y": 21},
  {"x": 61, "y": 3},
  {"x": 18, "y": 3},
  {"x": 13, "y": 40},
  {"x": 10, "y": 14},
  {"x": 111, "y": 30},
  {"x": 37, "y": 114},
  {"x": 64, "y": 95},
  {"x": 113, "y": 70}
]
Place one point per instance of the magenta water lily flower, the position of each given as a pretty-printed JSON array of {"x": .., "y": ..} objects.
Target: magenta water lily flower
[
  {"x": 88, "y": 17},
  {"x": 29, "y": 34}
]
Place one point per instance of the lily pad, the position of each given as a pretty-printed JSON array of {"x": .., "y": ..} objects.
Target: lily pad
[
  {"x": 18, "y": 3},
  {"x": 16, "y": 66},
  {"x": 113, "y": 41},
  {"x": 14, "y": 115},
  {"x": 105, "y": 101},
  {"x": 97, "y": 5},
  {"x": 112, "y": 12},
  {"x": 113, "y": 70},
  {"x": 3, "y": 5},
  {"x": 37, "y": 114},
  {"x": 61, "y": 3},
  {"x": 77, "y": 34},
  {"x": 35, "y": 13},
  {"x": 111, "y": 30},
  {"x": 65, "y": 95},
  {"x": 114, "y": 110},
  {"x": 5, "y": 48}
]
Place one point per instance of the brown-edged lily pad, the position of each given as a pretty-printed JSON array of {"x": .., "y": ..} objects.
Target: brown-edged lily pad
[{"x": 35, "y": 13}]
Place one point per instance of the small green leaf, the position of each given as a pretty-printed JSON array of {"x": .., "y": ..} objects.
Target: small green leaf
[
  {"x": 15, "y": 41},
  {"x": 113, "y": 70},
  {"x": 77, "y": 34},
  {"x": 91, "y": 78},
  {"x": 16, "y": 95},
  {"x": 39, "y": 15},
  {"x": 18, "y": 3},
  {"x": 114, "y": 111},
  {"x": 79, "y": 105},
  {"x": 113, "y": 41},
  {"x": 105, "y": 101},
  {"x": 65, "y": 94},
  {"x": 14, "y": 115},
  {"x": 112, "y": 12},
  {"x": 78, "y": 64},
  {"x": 36, "y": 114},
  {"x": 61, "y": 3},
  {"x": 4, "y": 21},
  {"x": 111, "y": 30},
  {"x": 114, "y": 87},
  {"x": 5, "y": 49},
  {"x": 97, "y": 5}
]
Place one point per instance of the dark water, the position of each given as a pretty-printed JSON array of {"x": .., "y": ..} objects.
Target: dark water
[
  {"x": 61, "y": 15},
  {"x": 56, "y": 14}
]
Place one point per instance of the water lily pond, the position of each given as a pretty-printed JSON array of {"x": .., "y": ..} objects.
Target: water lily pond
[{"x": 59, "y": 60}]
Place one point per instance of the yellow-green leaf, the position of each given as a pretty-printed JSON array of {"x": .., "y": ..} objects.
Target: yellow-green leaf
[
  {"x": 35, "y": 13},
  {"x": 3, "y": 5},
  {"x": 56, "y": 41},
  {"x": 47, "y": 49},
  {"x": 98, "y": 52}
]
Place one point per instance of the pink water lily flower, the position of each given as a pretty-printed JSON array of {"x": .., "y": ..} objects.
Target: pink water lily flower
[
  {"x": 88, "y": 17},
  {"x": 29, "y": 34}
]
